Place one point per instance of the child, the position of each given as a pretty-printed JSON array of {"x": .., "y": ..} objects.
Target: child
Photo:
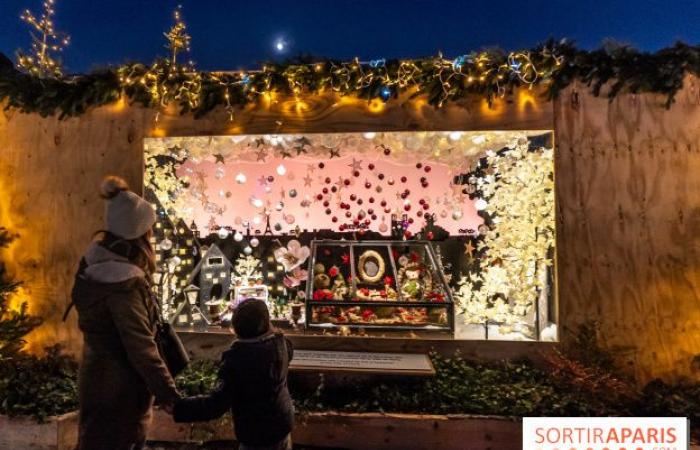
[{"x": 252, "y": 384}]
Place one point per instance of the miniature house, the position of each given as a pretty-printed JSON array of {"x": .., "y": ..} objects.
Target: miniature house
[{"x": 214, "y": 272}]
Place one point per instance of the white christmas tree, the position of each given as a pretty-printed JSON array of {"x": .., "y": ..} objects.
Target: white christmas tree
[
  {"x": 247, "y": 267},
  {"x": 519, "y": 190}
]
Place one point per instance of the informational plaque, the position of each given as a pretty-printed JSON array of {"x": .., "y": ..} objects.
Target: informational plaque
[{"x": 368, "y": 362}]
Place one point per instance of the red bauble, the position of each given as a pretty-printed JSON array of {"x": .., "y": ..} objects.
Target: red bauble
[
  {"x": 407, "y": 234},
  {"x": 348, "y": 214},
  {"x": 325, "y": 190},
  {"x": 403, "y": 179},
  {"x": 371, "y": 166},
  {"x": 319, "y": 197},
  {"x": 370, "y": 211},
  {"x": 426, "y": 206},
  {"x": 427, "y": 169},
  {"x": 371, "y": 200},
  {"x": 328, "y": 211},
  {"x": 346, "y": 182},
  {"x": 419, "y": 213},
  {"x": 374, "y": 217},
  {"x": 430, "y": 235},
  {"x": 406, "y": 207},
  {"x": 334, "y": 219},
  {"x": 421, "y": 201},
  {"x": 419, "y": 165},
  {"x": 334, "y": 189},
  {"x": 368, "y": 185},
  {"x": 359, "y": 201},
  {"x": 327, "y": 180},
  {"x": 353, "y": 197},
  {"x": 326, "y": 203},
  {"x": 410, "y": 220},
  {"x": 387, "y": 151},
  {"x": 356, "y": 173},
  {"x": 380, "y": 176},
  {"x": 321, "y": 165},
  {"x": 270, "y": 179},
  {"x": 367, "y": 221},
  {"x": 383, "y": 203}
]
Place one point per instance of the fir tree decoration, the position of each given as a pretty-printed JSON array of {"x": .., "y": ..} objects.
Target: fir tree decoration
[
  {"x": 42, "y": 61},
  {"x": 178, "y": 39},
  {"x": 247, "y": 267},
  {"x": 15, "y": 321}
]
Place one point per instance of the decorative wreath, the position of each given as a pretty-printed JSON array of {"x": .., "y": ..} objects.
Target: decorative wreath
[{"x": 369, "y": 255}]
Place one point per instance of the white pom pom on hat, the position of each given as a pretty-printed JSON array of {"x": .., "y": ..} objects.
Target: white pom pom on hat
[{"x": 126, "y": 214}]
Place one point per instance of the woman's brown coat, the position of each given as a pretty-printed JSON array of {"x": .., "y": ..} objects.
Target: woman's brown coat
[{"x": 121, "y": 369}]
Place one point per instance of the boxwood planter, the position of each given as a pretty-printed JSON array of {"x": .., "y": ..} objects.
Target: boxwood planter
[
  {"x": 24, "y": 433},
  {"x": 367, "y": 430}
]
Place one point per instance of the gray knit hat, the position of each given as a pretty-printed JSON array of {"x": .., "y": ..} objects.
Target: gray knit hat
[{"x": 126, "y": 214}]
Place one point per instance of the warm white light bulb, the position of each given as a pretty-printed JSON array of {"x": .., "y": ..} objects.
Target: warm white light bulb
[
  {"x": 455, "y": 135},
  {"x": 480, "y": 204},
  {"x": 281, "y": 170},
  {"x": 241, "y": 178}
]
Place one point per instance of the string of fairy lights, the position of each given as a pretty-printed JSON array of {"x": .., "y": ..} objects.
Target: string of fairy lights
[{"x": 489, "y": 74}]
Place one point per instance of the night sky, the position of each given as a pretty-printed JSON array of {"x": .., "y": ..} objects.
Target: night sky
[{"x": 239, "y": 34}]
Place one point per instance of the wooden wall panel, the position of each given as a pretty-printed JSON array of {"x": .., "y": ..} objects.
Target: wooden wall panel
[
  {"x": 628, "y": 194},
  {"x": 49, "y": 176}
]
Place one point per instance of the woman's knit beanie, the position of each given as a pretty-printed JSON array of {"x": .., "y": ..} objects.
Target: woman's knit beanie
[{"x": 126, "y": 214}]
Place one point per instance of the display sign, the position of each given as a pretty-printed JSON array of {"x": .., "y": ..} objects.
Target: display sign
[{"x": 404, "y": 363}]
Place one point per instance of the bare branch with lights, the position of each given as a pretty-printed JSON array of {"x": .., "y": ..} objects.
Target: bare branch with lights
[{"x": 42, "y": 60}]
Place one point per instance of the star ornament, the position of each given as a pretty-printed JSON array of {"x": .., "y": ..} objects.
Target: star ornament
[
  {"x": 260, "y": 155},
  {"x": 219, "y": 158},
  {"x": 334, "y": 152},
  {"x": 307, "y": 180},
  {"x": 356, "y": 164},
  {"x": 469, "y": 249}
]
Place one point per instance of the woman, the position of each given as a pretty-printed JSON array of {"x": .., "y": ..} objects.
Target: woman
[{"x": 122, "y": 370}]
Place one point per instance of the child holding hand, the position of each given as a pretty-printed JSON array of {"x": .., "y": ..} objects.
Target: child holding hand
[{"x": 252, "y": 384}]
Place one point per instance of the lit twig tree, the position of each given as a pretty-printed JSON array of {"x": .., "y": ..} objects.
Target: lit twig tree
[
  {"x": 42, "y": 61},
  {"x": 178, "y": 39}
]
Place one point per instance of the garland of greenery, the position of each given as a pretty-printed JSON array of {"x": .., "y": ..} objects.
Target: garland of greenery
[{"x": 490, "y": 74}]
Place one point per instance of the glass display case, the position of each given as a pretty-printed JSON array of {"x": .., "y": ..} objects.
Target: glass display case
[{"x": 377, "y": 284}]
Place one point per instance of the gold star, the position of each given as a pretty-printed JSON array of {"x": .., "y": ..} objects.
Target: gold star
[
  {"x": 469, "y": 249},
  {"x": 307, "y": 180}
]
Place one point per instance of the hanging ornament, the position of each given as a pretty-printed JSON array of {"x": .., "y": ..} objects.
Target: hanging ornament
[
  {"x": 257, "y": 220},
  {"x": 480, "y": 204},
  {"x": 292, "y": 193},
  {"x": 443, "y": 213},
  {"x": 281, "y": 170},
  {"x": 247, "y": 250},
  {"x": 238, "y": 220},
  {"x": 457, "y": 214},
  {"x": 241, "y": 178},
  {"x": 166, "y": 244},
  {"x": 289, "y": 218},
  {"x": 222, "y": 233},
  {"x": 278, "y": 227},
  {"x": 254, "y": 242},
  {"x": 238, "y": 236},
  {"x": 483, "y": 229},
  {"x": 220, "y": 172},
  {"x": 256, "y": 202},
  {"x": 279, "y": 206}
]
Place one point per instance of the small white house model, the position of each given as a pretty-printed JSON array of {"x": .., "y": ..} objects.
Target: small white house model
[{"x": 214, "y": 271}]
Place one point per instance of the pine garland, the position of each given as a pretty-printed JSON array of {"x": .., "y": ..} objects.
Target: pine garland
[{"x": 492, "y": 74}]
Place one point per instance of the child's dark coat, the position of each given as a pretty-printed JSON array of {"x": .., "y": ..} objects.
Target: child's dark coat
[{"x": 253, "y": 385}]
